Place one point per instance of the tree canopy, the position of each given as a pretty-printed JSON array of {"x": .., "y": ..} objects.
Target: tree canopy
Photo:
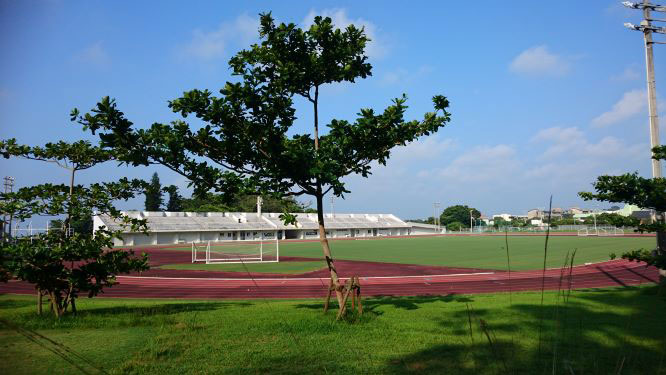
[
  {"x": 153, "y": 194},
  {"x": 459, "y": 213},
  {"x": 246, "y": 126},
  {"x": 643, "y": 192},
  {"x": 175, "y": 202}
]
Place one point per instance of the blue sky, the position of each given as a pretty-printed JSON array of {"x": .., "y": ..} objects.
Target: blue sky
[{"x": 545, "y": 95}]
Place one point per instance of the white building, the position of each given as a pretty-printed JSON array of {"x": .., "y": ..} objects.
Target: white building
[
  {"x": 417, "y": 229},
  {"x": 505, "y": 217},
  {"x": 187, "y": 227}
]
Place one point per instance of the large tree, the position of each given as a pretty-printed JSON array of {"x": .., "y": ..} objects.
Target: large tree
[
  {"x": 175, "y": 202},
  {"x": 244, "y": 146},
  {"x": 153, "y": 194},
  {"x": 649, "y": 193},
  {"x": 459, "y": 213}
]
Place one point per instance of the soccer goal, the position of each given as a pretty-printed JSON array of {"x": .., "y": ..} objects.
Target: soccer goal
[
  {"x": 611, "y": 231},
  {"x": 583, "y": 232},
  {"x": 221, "y": 252},
  {"x": 601, "y": 231}
]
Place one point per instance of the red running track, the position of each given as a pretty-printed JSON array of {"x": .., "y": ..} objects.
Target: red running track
[{"x": 606, "y": 274}]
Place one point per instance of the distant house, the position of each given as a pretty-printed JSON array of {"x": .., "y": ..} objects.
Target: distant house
[
  {"x": 506, "y": 217},
  {"x": 534, "y": 213},
  {"x": 576, "y": 210}
]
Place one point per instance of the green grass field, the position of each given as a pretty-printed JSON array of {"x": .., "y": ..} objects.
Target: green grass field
[
  {"x": 596, "y": 332},
  {"x": 474, "y": 252}
]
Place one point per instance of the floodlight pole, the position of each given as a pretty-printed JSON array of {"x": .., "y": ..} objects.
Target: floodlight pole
[
  {"x": 435, "y": 217},
  {"x": 471, "y": 225},
  {"x": 9, "y": 187}
]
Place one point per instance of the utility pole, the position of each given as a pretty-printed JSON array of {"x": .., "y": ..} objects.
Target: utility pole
[
  {"x": 648, "y": 28},
  {"x": 471, "y": 225},
  {"x": 435, "y": 216}
]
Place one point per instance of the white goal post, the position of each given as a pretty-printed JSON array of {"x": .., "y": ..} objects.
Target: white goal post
[
  {"x": 244, "y": 251},
  {"x": 601, "y": 231}
]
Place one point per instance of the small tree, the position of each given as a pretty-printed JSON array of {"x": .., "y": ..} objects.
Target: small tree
[
  {"x": 244, "y": 147},
  {"x": 499, "y": 222},
  {"x": 63, "y": 265},
  {"x": 153, "y": 194},
  {"x": 74, "y": 157},
  {"x": 454, "y": 226},
  {"x": 647, "y": 193},
  {"x": 459, "y": 213}
]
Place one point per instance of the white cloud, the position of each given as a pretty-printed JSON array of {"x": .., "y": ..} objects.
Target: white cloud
[
  {"x": 481, "y": 164},
  {"x": 539, "y": 61},
  {"x": 376, "y": 48},
  {"x": 633, "y": 102},
  {"x": 401, "y": 76},
  {"x": 94, "y": 54},
  {"x": 628, "y": 74},
  {"x": 573, "y": 142},
  {"x": 209, "y": 45},
  {"x": 427, "y": 148}
]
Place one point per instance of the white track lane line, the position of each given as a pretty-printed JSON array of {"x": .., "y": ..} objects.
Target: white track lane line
[{"x": 299, "y": 278}]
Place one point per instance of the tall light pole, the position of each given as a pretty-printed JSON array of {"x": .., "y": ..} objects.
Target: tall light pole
[
  {"x": 648, "y": 28},
  {"x": 9, "y": 187},
  {"x": 435, "y": 217},
  {"x": 471, "y": 225}
]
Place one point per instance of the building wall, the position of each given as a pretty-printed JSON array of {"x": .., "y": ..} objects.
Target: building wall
[{"x": 165, "y": 238}]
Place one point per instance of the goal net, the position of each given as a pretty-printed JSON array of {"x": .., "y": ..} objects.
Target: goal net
[
  {"x": 601, "y": 231},
  {"x": 220, "y": 252}
]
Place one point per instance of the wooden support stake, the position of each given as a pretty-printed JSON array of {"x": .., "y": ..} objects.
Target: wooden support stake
[
  {"x": 358, "y": 294},
  {"x": 343, "y": 307},
  {"x": 328, "y": 296}
]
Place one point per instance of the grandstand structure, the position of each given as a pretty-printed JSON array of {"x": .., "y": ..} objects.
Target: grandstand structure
[{"x": 195, "y": 227}]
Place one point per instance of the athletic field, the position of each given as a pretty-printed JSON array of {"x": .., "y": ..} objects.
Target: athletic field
[{"x": 486, "y": 252}]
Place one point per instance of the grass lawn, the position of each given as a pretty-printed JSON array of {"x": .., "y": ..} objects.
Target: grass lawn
[
  {"x": 595, "y": 332},
  {"x": 284, "y": 267},
  {"x": 474, "y": 252}
]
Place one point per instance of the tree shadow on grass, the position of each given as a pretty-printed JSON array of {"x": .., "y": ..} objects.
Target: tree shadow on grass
[
  {"x": 596, "y": 332},
  {"x": 372, "y": 305},
  {"x": 15, "y": 303},
  {"x": 162, "y": 309},
  {"x": 407, "y": 303}
]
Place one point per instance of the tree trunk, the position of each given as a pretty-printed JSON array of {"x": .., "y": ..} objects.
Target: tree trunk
[
  {"x": 661, "y": 248},
  {"x": 56, "y": 303},
  {"x": 68, "y": 221},
  {"x": 320, "y": 207},
  {"x": 73, "y": 303},
  {"x": 39, "y": 301},
  {"x": 324, "y": 245}
]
